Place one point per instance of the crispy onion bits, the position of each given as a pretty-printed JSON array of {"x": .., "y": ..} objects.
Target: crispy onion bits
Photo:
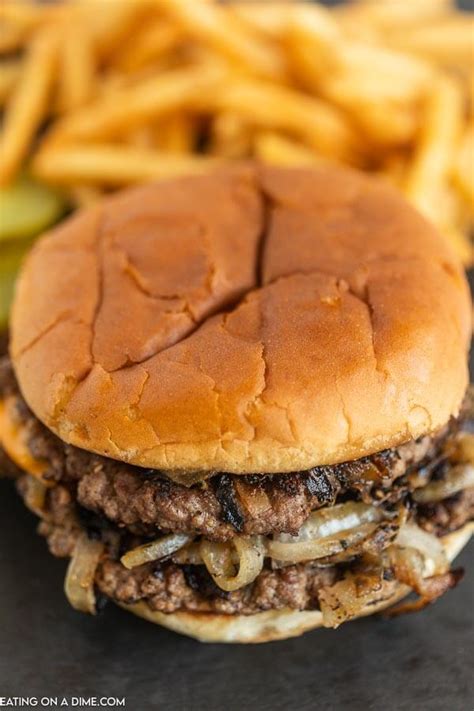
[
  {"x": 79, "y": 582},
  {"x": 345, "y": 600},
  {"x": 456, "y": 479},
  {"x": 327, "y": 532},
  {"x": 417, "y": 559},
  {"x": 218, "y": 559},
  {"x": 156, "y": 550}
]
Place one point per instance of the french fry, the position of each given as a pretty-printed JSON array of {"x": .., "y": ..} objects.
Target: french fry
[
  {"x": 10, "y": 73},
  {"x": 152, "y": 42},
  {"x": 277, "y": 107},
  {"x": 394, "y": 167},
  {"x": 382, "y": 103},
  {"x": 135, "y": 105},
  {"x": 449, "y": 42},
  {"x": 111, "y": 23},
  {"x": 24, "y": 13},
  {"x": 460, "y": 242},
  {"x": 142, "y": 137},
  {"x": 77, "y": 66},
  {"x": 463, "y": 172},
  {"x": 276, "y": 149},
  {"x": 210, "y": 23},
  {"x": 12, "y": 37},
  {"x": 17, "y": 21},
  {"x": 176, "y": 134},
  {"x": 370, "y": 18},
  {"x": 432, "y": 160},
  {"x": 28, "y": 104},
  {"x": 268, "y": 18},
  {"x": 114, "y": 166},
  {"x": 231, "y": 136}
]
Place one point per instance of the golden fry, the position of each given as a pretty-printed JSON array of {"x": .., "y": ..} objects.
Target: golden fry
[
  {"x": 26, "y": 14},
  {"x": 17, "y": 21},
  {"x": 177, "y": 134},
  {"x": 460, "y": 242},
  {"x": 231, "y": 136},
  {"x": 12, "y": 37},
  {"x": 28, "y": 104},
  {"x": 383, "y": 16},
  {"x": 142, "y": 137},
  {"x": 111, "y": 165},
  {"x": 135, "y": 105},
  {"x": 449, "y": 42},
  {"x": 77, "y": 66},
  {"x": 211, "y": 23},
  {"x": 276, "y": 107},
  {"x": 268, "y": 18},
  {"x": 152, "y": 43},
  {"x": 10, "y": 73},
  {"x": 383, "y": 103},
  {"x": 111, "y": 23},
  {"x": 432, "y": 160},
  {"x": 276, "y": 149},
  {"x": 464, "y": 165}
]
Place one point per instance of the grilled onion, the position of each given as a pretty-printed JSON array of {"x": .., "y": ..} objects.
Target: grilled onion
[
  {"x": 327, "y": 532},
  {"x": 156, "y": 550},
  {"x": 343, "y": 601},
  {"x": 418, "y": 560},
  {"x": 79, "y": 582},
  {"x": 412, "y": 536},
  {"x": 458, "y": 478},
  {"x": 218, "y": 559},
  {"x": 255, "y": 500},
  {"x": 188, "y": 555}
]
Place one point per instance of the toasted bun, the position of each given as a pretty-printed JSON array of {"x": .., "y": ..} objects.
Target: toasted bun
[
  {"x": 276, "y": 624},
  {"x": 252, "y": 320}
]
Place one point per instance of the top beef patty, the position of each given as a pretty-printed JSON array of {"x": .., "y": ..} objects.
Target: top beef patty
[{"x": 146, "y": 501}]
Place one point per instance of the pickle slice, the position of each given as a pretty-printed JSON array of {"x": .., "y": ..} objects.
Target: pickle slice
[
  {"x": 11, "y": 257},
  {"x": 27, "y": 208}
]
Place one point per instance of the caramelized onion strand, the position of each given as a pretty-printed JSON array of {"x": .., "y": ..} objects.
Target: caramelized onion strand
[
  {"x": 156, "y": 550},
  {"x": 79, "y": 582}
]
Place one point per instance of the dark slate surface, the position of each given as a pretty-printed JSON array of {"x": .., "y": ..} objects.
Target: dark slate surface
[{"x": 412, "y": 663}]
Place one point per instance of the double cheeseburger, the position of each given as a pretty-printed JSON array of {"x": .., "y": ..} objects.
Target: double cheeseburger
[{"x": 239, "y": 404}]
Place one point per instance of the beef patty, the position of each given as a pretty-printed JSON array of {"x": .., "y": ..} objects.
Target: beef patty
[{"x": 146, "y": 501}]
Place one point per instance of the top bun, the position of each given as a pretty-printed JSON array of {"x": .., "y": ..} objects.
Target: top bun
[{"x": 252, "y": 320}]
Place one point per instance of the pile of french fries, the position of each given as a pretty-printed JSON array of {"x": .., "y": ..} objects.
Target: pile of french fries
[{"x": 100, "y": 94}]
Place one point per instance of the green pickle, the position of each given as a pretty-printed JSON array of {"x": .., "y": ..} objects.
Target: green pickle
[
  {"x": 11, "y": 257},
  {"x": 27, "y": 208}
]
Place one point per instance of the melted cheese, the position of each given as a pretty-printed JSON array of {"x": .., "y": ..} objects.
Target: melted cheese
[{"x": 12, "y": 439}]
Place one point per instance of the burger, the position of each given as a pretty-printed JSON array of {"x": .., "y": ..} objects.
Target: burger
[{"x": 239, "y": 402}]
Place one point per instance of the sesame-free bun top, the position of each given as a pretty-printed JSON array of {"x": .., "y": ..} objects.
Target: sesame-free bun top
[{"x": 251, "y": 320}]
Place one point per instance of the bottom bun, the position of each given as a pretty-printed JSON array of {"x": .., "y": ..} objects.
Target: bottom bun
[{"x": 275, "y": 624}]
